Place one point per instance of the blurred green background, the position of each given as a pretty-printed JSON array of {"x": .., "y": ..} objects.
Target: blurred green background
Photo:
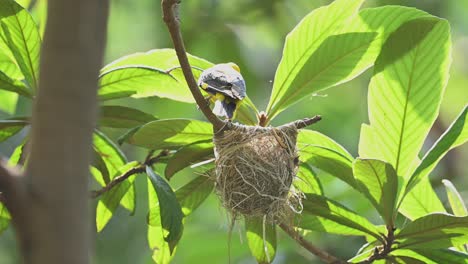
[{"x": 251, "y": 33}]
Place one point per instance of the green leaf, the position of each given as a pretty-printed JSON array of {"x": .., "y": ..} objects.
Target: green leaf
[
  {"x": 110, "y": 200},
  {"x": 170, "y": 211},
  {"x": 7, "y": 63},
  {"x": 405, "y": 92},
  {"x": 114, "y": 160},
  {"x": 341, "y": 219},
  {"x": 122, "y": 117},
  {"x": 21, "y": 35},
  {"x": 141, "y": 81},
  {"x": 156, "y": 233},
  {"x": 456, "y": 135},
  {"x": 312, "y": 49},
  {"x": 434, "y": 231},
  {"x": 422, "y": 200},
  {"x": 307, "y": 181},
  {"x": 192, "y": 194},
  {"x": 187, "y": 156},
  {"x": 261, "y": 237},
  {"x": 17, "y": 153},
  {"x": 307, "y": 138},
  {"x": 330, "y": 161},
  {"x": 9, "y": 128},
  {"x": 456, "y": 201},
  {"x": 171, "y": 133},
  {"x": 433, "y": 256},
  {"x": 9, "y": 101},
  {"x": 378, "y": 181},
  {"x": 165, "y": 59},
  {"x": 4, "y": 218},
  {"x": 9, "y": 84}
]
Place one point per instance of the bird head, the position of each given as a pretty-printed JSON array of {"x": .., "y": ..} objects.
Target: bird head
[{"x": 234, "y": 66}]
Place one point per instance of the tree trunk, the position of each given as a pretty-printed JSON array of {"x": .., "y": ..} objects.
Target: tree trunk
[{"x": 49, "y": 203}]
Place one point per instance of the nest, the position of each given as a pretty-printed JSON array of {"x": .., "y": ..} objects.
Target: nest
[{"x": 255, "y": 168}]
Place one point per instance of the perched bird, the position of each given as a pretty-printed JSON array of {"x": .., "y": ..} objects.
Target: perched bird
[{"x": 225, "y": 86}]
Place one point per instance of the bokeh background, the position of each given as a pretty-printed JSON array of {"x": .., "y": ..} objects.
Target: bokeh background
[{"x": 250, "y": 33}]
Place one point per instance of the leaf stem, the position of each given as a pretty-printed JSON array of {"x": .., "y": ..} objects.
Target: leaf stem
[{"x": 385, "y": 249}]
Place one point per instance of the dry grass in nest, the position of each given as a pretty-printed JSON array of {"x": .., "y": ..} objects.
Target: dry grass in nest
[{"x": 255, "y": 167}]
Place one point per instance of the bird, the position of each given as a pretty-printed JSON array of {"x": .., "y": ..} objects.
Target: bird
[{"x": 225, "y": 86}]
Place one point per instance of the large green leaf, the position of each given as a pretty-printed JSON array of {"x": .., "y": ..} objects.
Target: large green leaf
[
  {"x": 330, "y": 161},
  {"x": 308, "y": 137},
  {"x": 338, "y": 215},
  {"x": 16, "y": 86},
  {"x": 4, "y": 218},
  {"x": 307, "y": 180},
  {"x": 156, "y": 233},
  {"x": 122, "y": 117},
  {"x": 170, "y": 211},
  {"x": 9, "y": 128},
  {"x": 310, "y": 52},
  {"x": 187, "y": 156},
  {"x": 405, "y": 92},
  {"x": 447, "y": 256},
  {"x": 434, "y": 231},
  {"x": 261, "y": 237},
  {"x": 20, "y": 33},
  {"x": 456, "y": 135},
  {"x": 378, "y": 181},
  {"x": 192, "y": 194},
  {"x": 110, "y": 200},
  {"x": 170, "y": 133},
  {"x": 422, "y": 200},
  {"x": 7, "y": 63},
  {"x": 141, "y": 81}
]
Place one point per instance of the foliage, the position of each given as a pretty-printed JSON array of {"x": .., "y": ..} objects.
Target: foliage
[{"x": 410, "y": 55}]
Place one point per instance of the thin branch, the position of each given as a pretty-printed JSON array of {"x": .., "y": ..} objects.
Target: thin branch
[
  {"x": 324, "y": 256},
  {"x": 169, "y": 8},
  {"x": 383, "y": 251},
  {"x": 135, "y": 170},
  {"x": 306, "y": 122}
]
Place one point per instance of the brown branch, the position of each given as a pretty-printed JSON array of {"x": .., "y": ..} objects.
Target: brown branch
[
  {"x": 169, "y": 8},
  {"x": 382, "y": 251},
  {"x": 135, "y": 170},
  {"x": 324, "y": 256},
  {"x": 306, "y": 122}
]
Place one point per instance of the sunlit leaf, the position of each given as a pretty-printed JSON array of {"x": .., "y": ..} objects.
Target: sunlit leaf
[
  {"x": 261, "y": 237},
  {"x": 110, "y": 200},
  {"x": 405, "y": 92},
  {"x": 307, "y": 138},
  {"x": 18, "y": 154},
  {"x": 169, "y": 133},
  {"x": 192, "y": 195},
  {"x": 170, "y": 210},
  {"x": 122, "y": 117},
  {"x": 378, "y": 181},
  {"x": 9, "y": 128},
  {"x": 307, "y": 181},
  {"x": 4, "y": 218},
  {"x": 187, "y": 156},
  {"x": 341, "y": 219},
  {"x": 438, "y": 256},
  {"x": 314, "y": 57},
  {"x": 7, "y": 63},
  {"x": 456, "y": 135},
  {"x": 422, "y": 200},
  {"x": 434, "y": 231},
  {"x": 329, "y": 161},
  {"x": 9, "y": 84},
  {"x": 457, "y": 204},
  {"x": 20, "y": 33}
]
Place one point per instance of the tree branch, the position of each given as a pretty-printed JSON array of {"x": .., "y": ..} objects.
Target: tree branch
[
  {"x": 383, "y": 251},
  {"x": 135, "y": 170},
  {"x": 306, "y": 122},
  {"x": 324, "y": 256},
  {"x": 169, "y": 8}
]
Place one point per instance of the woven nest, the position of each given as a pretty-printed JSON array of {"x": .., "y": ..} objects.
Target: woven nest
[{"x": 255, "y": 167}]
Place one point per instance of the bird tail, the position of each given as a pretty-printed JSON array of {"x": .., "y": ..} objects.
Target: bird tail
[{"x": 225, "y": 109}]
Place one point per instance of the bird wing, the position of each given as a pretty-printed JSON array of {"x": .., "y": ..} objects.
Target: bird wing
[{"x": 224, "y": 80}]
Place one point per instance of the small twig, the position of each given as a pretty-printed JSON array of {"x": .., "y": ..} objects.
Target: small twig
[
  {"x": 169, "y": 8},
  {"x": 385, "y": 249},
  {"x": 135, "y": 170},
  {"x": 307, "y": 121},
  {"x": 324, "y": 256}
]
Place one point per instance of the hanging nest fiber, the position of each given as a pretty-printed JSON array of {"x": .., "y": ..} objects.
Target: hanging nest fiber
[{"x": 255, "y": 167}]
